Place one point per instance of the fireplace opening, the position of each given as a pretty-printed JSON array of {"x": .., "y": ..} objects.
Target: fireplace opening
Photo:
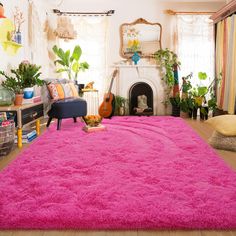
[{"x": 141, "y": 99}]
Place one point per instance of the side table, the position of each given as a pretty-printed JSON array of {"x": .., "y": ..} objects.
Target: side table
[
  {"x": 92, "y": 99},
  {"x": 25, "y": 114}
]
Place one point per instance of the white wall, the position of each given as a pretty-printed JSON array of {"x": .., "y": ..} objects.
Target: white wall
[
  {"x": 129, "y": 10},
  {"x": 6, "y": 61},
  {"x": 125, "y": 11}
]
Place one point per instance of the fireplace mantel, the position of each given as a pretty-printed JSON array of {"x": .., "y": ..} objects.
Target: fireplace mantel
[
  {"x": 149, "y": 73},
  {"x": 134, "y": 66}
]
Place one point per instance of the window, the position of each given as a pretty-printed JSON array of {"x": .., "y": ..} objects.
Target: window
[
  {"x": 92, "y": 38},
  {"x": 195, "y": 46}
]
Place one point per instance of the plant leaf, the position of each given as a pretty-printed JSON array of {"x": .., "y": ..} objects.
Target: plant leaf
[
  {"x": 77, "y": 53},
  {"x": 76, "y": 67},
  {"x": 202, "y": 75}
]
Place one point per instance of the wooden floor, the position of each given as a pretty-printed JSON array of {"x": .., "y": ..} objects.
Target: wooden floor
[{"x": 203, "y": 130}]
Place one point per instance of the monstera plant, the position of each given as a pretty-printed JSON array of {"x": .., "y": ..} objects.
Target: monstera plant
[{"x": 70, "y": 62}]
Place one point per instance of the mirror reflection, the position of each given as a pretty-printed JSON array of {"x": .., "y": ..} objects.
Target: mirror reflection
[{"x": 140, "y": 36}]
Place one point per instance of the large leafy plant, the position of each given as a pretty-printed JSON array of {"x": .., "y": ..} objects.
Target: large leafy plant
[{"x": 70, "y": 63}]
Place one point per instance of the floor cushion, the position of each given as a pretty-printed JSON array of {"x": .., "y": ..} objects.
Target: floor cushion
[
  {"x": 220, "y": 141},
  {"x": 224, "y": 124}
]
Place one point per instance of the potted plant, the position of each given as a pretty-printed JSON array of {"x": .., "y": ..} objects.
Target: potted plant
[
  {"x": 201, "y": 94},
  {"x": 70, "y": 63},
  {"x": 24, "y": 77},
  {"x": 169, "y": 64},
  {"x": 186, "y": 103},
  {"x": 29, "y": 74},
  {"x": 120, "y": 103},
  {"x": 175, "y": 102}
]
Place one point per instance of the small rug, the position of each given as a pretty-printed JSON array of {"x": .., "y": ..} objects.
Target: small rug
[{"x": 141, "y": 173}]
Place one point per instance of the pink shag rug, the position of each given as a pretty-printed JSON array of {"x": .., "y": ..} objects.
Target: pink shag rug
[{"x": 142, "y": 173}]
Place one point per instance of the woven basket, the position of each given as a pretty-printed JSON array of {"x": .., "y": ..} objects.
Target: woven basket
[{"x": 7, "y": 135}]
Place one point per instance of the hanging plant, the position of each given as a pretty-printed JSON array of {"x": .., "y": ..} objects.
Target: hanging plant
[{"x": 167, "y": 59}]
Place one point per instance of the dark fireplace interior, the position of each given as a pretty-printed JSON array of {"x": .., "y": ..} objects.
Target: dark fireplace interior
[{"x": 140, "y": 89}]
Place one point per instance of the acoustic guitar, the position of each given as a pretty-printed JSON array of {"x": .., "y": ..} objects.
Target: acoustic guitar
[{"x": 107, "y": 108}]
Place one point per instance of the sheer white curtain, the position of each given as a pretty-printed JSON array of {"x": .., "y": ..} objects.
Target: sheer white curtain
[
  {"x": 195, "y": 46},
  {"x": 92, "y": 37}
]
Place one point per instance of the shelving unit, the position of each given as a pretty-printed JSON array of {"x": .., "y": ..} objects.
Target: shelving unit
[{"x": 11, "y": 47}]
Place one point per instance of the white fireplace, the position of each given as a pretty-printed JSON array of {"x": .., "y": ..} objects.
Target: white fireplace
[{"x": 131, "y": 74}]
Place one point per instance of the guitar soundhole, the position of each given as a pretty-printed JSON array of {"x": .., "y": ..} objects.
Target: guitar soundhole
[{"x": 107, "y": 99}]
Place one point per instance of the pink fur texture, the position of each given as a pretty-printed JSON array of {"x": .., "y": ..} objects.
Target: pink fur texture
[{"x": 141, "y": 173}]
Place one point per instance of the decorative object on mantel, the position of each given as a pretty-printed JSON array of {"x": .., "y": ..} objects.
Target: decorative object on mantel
[
  {"x": 135, "y": 58},
  {"x": 65, "y": 29},
  {"x": 140, "y": 36}
]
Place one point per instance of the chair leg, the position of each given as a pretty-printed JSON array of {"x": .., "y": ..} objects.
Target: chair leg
[
  {"x": 49, "y": 121},
  {"x": 75, "y": 119},
  {"x": 58, "y": 124}
]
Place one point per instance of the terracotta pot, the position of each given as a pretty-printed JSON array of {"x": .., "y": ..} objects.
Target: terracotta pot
[
  {"x": 18, "y": 99},
  {"x": 184, "y": 114}
]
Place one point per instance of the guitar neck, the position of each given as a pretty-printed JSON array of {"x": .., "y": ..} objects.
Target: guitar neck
[{"x": 112, "y": 80}]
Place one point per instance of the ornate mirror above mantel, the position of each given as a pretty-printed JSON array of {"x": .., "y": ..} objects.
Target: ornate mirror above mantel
[{"x": 140, "y": 36}]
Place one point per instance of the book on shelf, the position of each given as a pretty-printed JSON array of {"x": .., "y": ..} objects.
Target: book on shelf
[
  {"x": 32, "y": 100},
  {"x": 27, "y": 136},
  {"x": 27, "y": 140},
  {"x": 89, "y": 129},
  {"x": 28, "y": 133}
]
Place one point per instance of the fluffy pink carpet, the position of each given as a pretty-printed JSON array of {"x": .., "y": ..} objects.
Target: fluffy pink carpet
[{"x": 142, "y": 173}]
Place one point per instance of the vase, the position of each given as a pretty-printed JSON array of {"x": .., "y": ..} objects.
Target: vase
[
  {"x": 135, "y": 58},
  {"x": 17, "y": 37},
  {"x": 28, "y": 92},
  {"x": 6, "y": 97}
]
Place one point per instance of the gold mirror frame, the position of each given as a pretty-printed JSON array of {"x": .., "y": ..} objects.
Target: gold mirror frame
[{"x": 138, "y": 21}]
